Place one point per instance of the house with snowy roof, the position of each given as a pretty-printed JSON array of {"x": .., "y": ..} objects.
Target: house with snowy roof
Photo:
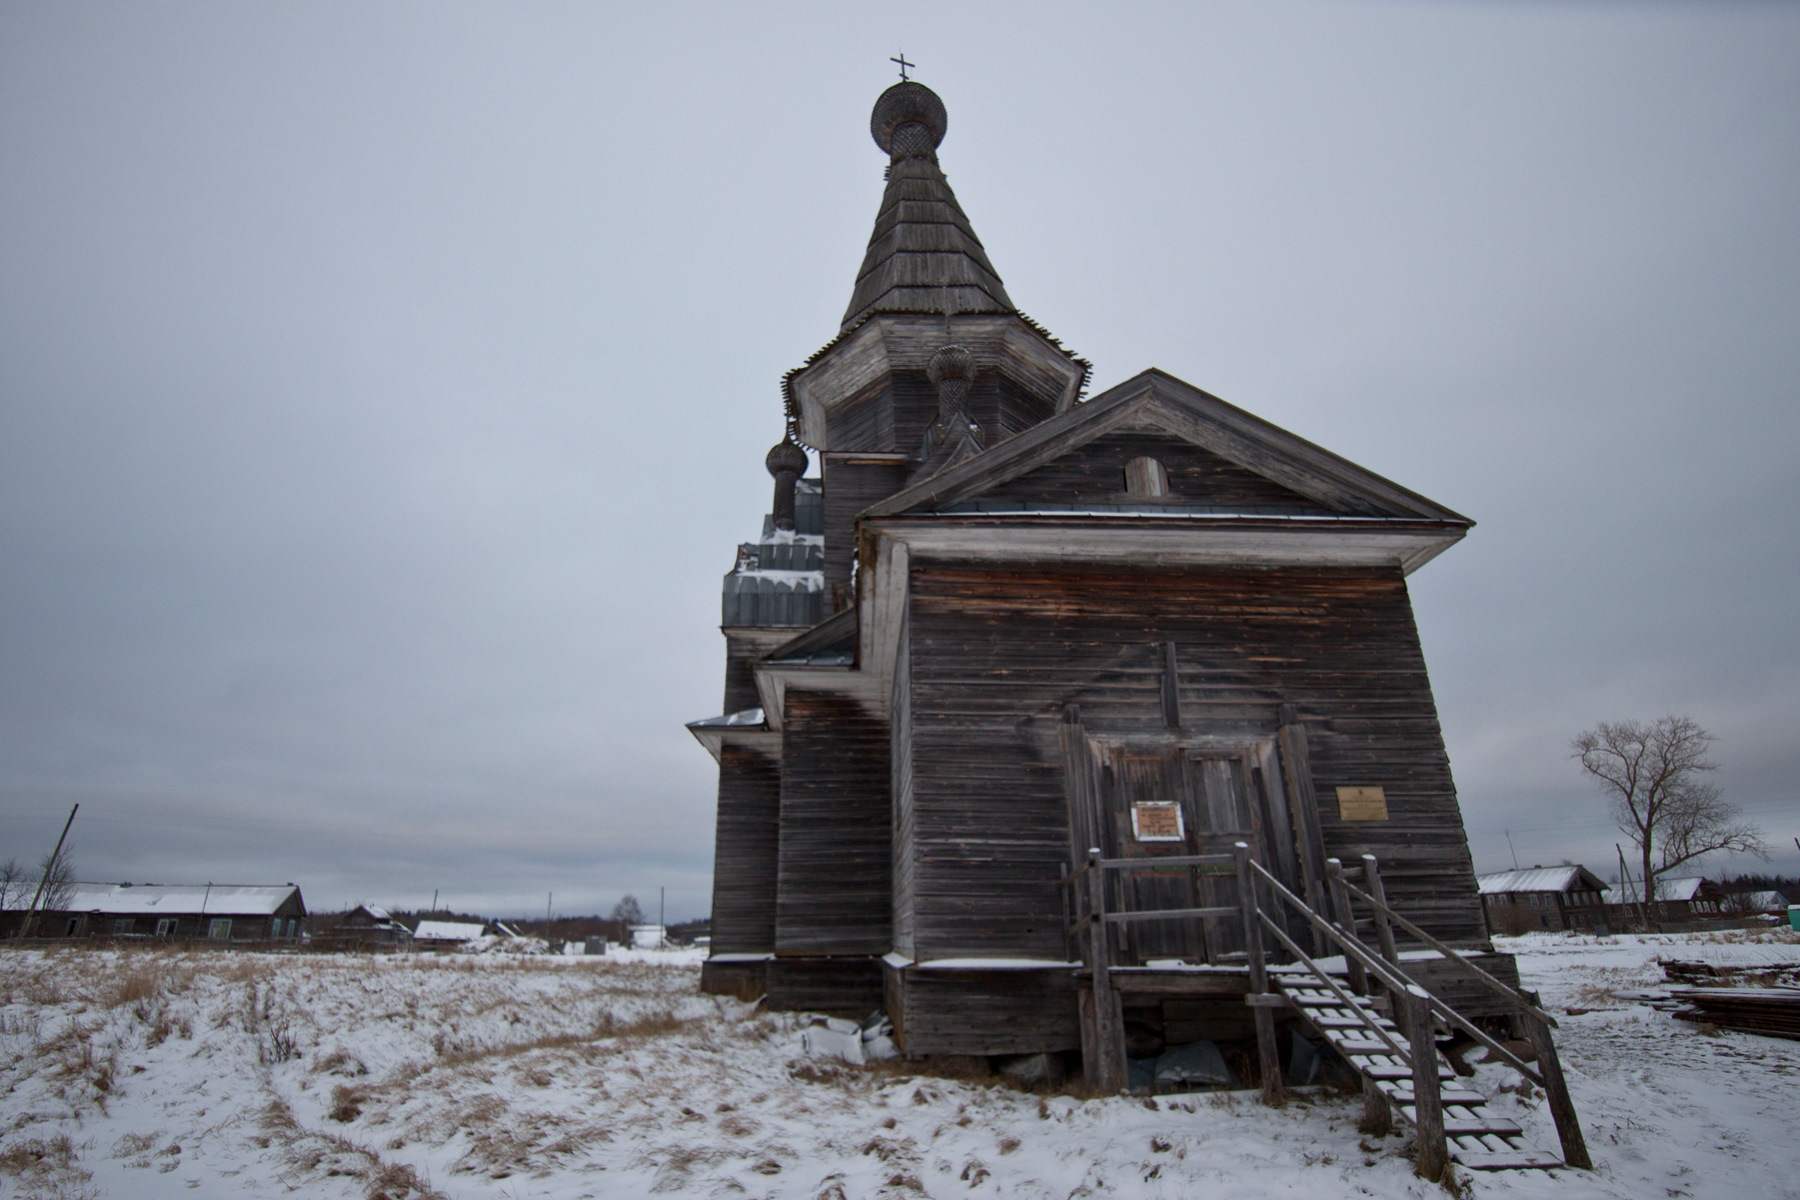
[
  {"x": 1678, "y": 899},
  {"x": 1553, "y": 899},
  {"x": 217, "y": 912}
]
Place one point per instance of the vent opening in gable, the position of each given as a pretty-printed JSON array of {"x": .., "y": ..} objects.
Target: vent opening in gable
[{"x": 1145, "y": 479}]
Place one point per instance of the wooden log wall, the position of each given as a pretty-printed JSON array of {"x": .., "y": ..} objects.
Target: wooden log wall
[
  {"x": 746, "y": 854},
  {"x": 849, "y": 987},
  {"x": 996, "y": 656},
  {"x": 833, "y": 896},
  {"x": 985, "y": 1012}
]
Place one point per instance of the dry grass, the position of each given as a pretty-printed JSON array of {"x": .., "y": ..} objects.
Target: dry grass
[{"x": 46, "y": 1169}]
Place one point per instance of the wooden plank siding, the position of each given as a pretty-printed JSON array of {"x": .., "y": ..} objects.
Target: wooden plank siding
[
  {"x": 833, "y": 893},
  {"x": 853, "y": 482},
  {"x": 746, "y": 855},
  {"x": 996, "y": 657},
  {"x": 905, "y": 827},
  {"x": 983, "y": 1012},
  {"x": 1095, "y": 473}
]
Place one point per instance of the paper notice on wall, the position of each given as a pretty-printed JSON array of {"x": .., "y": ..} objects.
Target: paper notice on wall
[
  {"x": 1362, "y": 804},
  {"x": 1158, "y": 821}
]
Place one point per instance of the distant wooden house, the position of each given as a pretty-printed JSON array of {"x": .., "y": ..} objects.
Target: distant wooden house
[
  {"x": 1554, "y": 899},
  {"x": 215, "y": 912},
  {"x": 370, "y": 927},
  {"x": 1008, "y": 636},
  {"x": 456, "y": 935},
  {"x": 1678, "y": 899}
]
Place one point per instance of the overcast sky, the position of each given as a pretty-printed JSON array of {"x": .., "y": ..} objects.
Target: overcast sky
[{"x": 384, "y": 388}]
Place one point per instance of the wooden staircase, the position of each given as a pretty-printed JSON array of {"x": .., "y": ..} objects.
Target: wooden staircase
[
  {"x": 1474, "y": 1138},
  {"x": 1381, "y": 1022}
]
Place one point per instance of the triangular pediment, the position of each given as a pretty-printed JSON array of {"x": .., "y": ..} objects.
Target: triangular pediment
[{"x": 1212, "y": 456}]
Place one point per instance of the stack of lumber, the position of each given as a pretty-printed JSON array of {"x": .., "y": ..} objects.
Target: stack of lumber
[{"x": 1774, "y": 1012}]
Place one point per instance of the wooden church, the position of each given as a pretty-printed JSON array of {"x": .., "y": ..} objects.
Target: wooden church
[{"x": 1009, "y": 635}]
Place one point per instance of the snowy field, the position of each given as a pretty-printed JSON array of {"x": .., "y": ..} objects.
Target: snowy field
[{"x": 144, "y": 1074}]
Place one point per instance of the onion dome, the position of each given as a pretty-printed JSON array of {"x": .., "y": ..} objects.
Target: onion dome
[
  {"x": 950, "y": 362},
  {"x": 898, "y": 110},
  {"x": 786, "y": 456}
]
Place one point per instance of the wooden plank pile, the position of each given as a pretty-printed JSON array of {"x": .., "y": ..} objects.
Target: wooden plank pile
[{"x": 1773, "y": 1012}]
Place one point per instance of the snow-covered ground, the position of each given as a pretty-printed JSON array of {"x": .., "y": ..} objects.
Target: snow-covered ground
[{"x": 144, "y": 1074}]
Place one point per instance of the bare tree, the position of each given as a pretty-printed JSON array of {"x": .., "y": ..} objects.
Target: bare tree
[
  {"x": 628, "y": 912},
  {"x": 1654, "y": 777},
  {"x": 15, "y": 892}
]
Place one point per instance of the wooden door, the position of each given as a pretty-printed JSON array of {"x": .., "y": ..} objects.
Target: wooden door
[{"x": 1172, "y": 801}]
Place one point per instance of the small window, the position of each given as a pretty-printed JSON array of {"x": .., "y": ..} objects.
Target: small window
[
  {"x": 1146, "y": 479},
  {"x": 165, "y": 927},
  {"x": 122, "y": 925},
  {"x": 219, "y": 928}
]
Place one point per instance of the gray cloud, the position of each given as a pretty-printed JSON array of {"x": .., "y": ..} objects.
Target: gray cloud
[{"x": 382, "y": 391}]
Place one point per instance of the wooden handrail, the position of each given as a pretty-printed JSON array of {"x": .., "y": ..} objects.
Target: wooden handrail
[
  {"x": 1345, "y": 998},
  {"x": 1388, "y": 975},
  {"x": 1507, "y": 990}
]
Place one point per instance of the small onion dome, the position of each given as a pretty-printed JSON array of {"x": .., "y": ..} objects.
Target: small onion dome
[
  {"x": 951, "y": 362},
  {"x": 786, "y": 456},
  {"x": 908, "y": 103}
]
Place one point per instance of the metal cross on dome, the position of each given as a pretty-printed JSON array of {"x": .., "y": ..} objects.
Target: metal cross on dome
[{"x": 904, "y": 64}]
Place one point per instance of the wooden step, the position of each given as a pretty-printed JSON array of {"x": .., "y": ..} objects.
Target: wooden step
[
  {"x": 1520, "y": 1158},
  {"x": 1401, "y": 1092},
  {"x": 1468, "y": 1126},
  {"x": 1390, "y": 1069},
  {"x": 1366, "y": 1046}
]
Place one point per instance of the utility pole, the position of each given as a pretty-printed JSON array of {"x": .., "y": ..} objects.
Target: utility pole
[
  {"x": 548, "y": 897},
  {"x": 434, "y": 893},
  {"x": 662, "y": 926},
  {"x": 50, "y": 865},
  {"x": 1515, "y": 853}
]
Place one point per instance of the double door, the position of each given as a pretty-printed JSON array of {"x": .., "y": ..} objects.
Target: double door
[{"x": 1164, "y": 801}]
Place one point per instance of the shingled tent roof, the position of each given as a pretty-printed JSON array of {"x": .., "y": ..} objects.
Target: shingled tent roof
[{"x": 924, "y": 256}]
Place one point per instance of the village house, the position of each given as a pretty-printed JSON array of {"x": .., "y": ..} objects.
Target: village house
[
  {"x": 1050, "y": 723},
  {"x": 1557, "y": 899},
  {"x": 1679, "y": 900},
  {"x": 216, "y": 912},
  {"x": 366, "y": 927}
]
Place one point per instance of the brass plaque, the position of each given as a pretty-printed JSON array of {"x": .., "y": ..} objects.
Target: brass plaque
[
  {"x": 1159, "y": 821},
  {"x": 1362, "y": 804}
]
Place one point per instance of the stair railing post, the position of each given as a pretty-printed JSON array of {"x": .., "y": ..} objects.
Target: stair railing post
[
  {"x": 1556, "y": 1090},
  {"x": 1109, "y": 1030},
  {"x": 1384, "y": 929},
  {"x": 1344, "y": 917},
  {"x": 1267, "y": 1054},
  {"x": 1428, "y": 1107}
]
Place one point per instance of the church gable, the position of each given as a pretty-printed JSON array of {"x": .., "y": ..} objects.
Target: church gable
[
  {"x": 1149, "y": 466},
  {"x": 1198, "y": 452}
]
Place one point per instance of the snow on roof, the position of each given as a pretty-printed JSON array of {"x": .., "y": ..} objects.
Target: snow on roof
[
  {"x": 447, "y": 931},
  {"x": 1538, "y": 879},
  {"x": 1685, "y": 888},
  {"x": 149, "y": 899},
  {"x": 376, "y": 911}
]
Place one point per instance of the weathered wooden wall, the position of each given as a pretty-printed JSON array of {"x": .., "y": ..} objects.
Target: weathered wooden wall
[
  {"x": 836, "y": 839},
  {"x": 745, "y": 857},
  {"x": 854, "y": 481},
  {"x": 1096, "y": 472},
  {"x": 959, "y": 1011},
  {"x": 996, "y": 656}
]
